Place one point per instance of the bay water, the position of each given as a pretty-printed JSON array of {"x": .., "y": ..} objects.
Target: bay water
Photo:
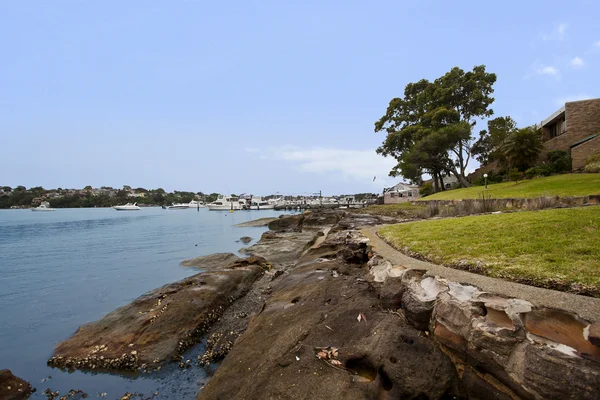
[{"x": 62, "y": 269}]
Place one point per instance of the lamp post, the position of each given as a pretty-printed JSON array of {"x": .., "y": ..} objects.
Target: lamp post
[{"x": 485, "y": 178}]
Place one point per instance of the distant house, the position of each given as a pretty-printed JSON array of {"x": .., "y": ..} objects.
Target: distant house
[
  {"x": 400, "y": 193},
  {"x": 574, "y": 128},
  {"x": 450, "y": 181}
]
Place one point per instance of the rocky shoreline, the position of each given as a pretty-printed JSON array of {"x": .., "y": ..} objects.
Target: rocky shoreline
[{"x": 315, "y": 313}]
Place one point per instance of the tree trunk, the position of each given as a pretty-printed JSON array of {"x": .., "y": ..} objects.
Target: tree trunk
[
  {"x": 436, "y": 187},
  {"x": 441, "y": 181},
  {"x": 463, "y": 181}
]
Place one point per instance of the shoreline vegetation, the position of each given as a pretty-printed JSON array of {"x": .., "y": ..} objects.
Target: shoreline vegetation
[{"x": 314, "y": 302}]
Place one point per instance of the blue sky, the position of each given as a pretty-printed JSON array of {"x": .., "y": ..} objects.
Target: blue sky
[{"x": 259, "y": 96}]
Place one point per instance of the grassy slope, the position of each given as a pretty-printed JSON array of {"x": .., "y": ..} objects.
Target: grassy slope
[
  {"x": 547, "y": 248},
  {"x": 558, "y": 185}
]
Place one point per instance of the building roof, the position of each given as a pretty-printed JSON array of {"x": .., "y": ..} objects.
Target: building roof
[{"x": 554, "y": 116}]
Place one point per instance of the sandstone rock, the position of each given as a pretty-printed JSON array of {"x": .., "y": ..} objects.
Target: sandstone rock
[
  {"x": 563, "y": 328},
  {"x": 282, "y": 248},
  {"x": 257, "y": 222},
  {"x": 382, "y": 269},
  {"x": 287, "y": 223},
  {"x": 12, "y": 387},
  {"x": 419, "y": 297},
  {"x": 479, "y": 387},
  {"x": 555, "y": 374},
  {"x": 157, "y": 326},
  {"x": 592, "y": 334},
  {"x": 211, "y": 261},
  {"x": 309, "y": 307}
]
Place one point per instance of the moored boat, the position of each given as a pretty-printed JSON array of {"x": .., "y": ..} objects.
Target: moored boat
[
  {"x": 196, "y": 204},
  {"x": 178, "y": 206},
  {"x": 227, "y": 203},
  {"x": 127, "y": 207},
  {"x": 43, "y": 207}
]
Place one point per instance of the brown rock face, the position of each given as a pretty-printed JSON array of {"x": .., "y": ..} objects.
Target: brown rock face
[
  {"x": 594, "y": 334},
  {"x": 157, "y": 326},
  {"x": 314, "y": 306},
  {"x": 12, "y": 387}
]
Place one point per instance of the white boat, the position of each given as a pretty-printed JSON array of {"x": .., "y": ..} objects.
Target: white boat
[
  {"x": 259, "y": 204},
  {"x": 127, "y": 207},
  {"x": 43, "y": 207},
  {"x": 196, "y": 204},
  {"x": 178, "y": 206},
  {"x": 227, "y": 203}
]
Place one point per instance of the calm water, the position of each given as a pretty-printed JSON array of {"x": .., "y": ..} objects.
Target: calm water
[{"x": 59, "y": 270}]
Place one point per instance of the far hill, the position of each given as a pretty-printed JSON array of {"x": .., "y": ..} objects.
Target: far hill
[{"x": 558, "y": 185}]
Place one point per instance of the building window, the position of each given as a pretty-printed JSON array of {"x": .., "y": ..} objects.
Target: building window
[
  {"x": 409, "y": 194},
  {"x": 392, "y": 194}
]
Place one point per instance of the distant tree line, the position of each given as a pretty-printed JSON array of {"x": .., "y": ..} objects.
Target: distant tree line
[{"x": 59, "y": 198}]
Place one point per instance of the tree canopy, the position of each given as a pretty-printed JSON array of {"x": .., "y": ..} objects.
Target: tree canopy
[
  {"x": 429, "y": 129},
  {"x": 487, "y": 147}
]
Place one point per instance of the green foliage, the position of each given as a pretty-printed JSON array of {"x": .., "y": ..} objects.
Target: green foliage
[
  {"x": 426, "y": 189},
  {"x": 540, "y": 170},
  {"x": 522, "y": 147},
  {"x": 211, "y": 197},
  {"x": 515, "y": 175},
  {"x": 429, "y": 129},
  {"x": 559, "y": 161},
  {"x": 493, "y": 177},
  {"x": 592, "y": 165},
  {"x": 487, "y": 148}
]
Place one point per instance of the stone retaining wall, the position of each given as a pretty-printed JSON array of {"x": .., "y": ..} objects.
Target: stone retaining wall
[{"x": 502, "y": 348}]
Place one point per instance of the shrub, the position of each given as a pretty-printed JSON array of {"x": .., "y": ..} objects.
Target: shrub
[
  {"x": 515, "y": 175},
  {"x": 493, "y": 177},
  {"x": 541, "y": 170},
  {"x": 559, "y": 161},
  {"x": 592, "y": 168},
  {"x": 426, "y": 189}
]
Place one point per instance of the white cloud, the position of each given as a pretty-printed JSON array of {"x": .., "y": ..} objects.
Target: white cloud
[
  {"x": 597, "y": 44},
  {"x": 359, "y": 166},
  {"x": 548, "y": 70},
  {"x": 558, "y": 33},
  {"x": 577, "y": 63},
  {"x": 251, "y": 150},
  {"x": 581, "y": 96}
]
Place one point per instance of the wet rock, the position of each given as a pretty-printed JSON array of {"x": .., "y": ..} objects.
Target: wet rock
[
  {"x": 12, "y": 387},
  {"x": 157, "y": 326},
  {"x": 211, "y": 261},
  {"x": 245, "y": 239}
]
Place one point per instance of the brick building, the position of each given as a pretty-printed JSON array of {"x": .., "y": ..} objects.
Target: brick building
[{"x": 574, "y": 128}]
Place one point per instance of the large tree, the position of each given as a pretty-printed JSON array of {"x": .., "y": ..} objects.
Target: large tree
[
  {"x": 487, "y": 148},
  {"x": 429, "y": 129}
]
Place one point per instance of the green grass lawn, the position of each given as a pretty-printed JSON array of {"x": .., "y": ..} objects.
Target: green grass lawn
[
  {"x": 557, "y": 248},
  {"x": 558, "y": 185}
]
